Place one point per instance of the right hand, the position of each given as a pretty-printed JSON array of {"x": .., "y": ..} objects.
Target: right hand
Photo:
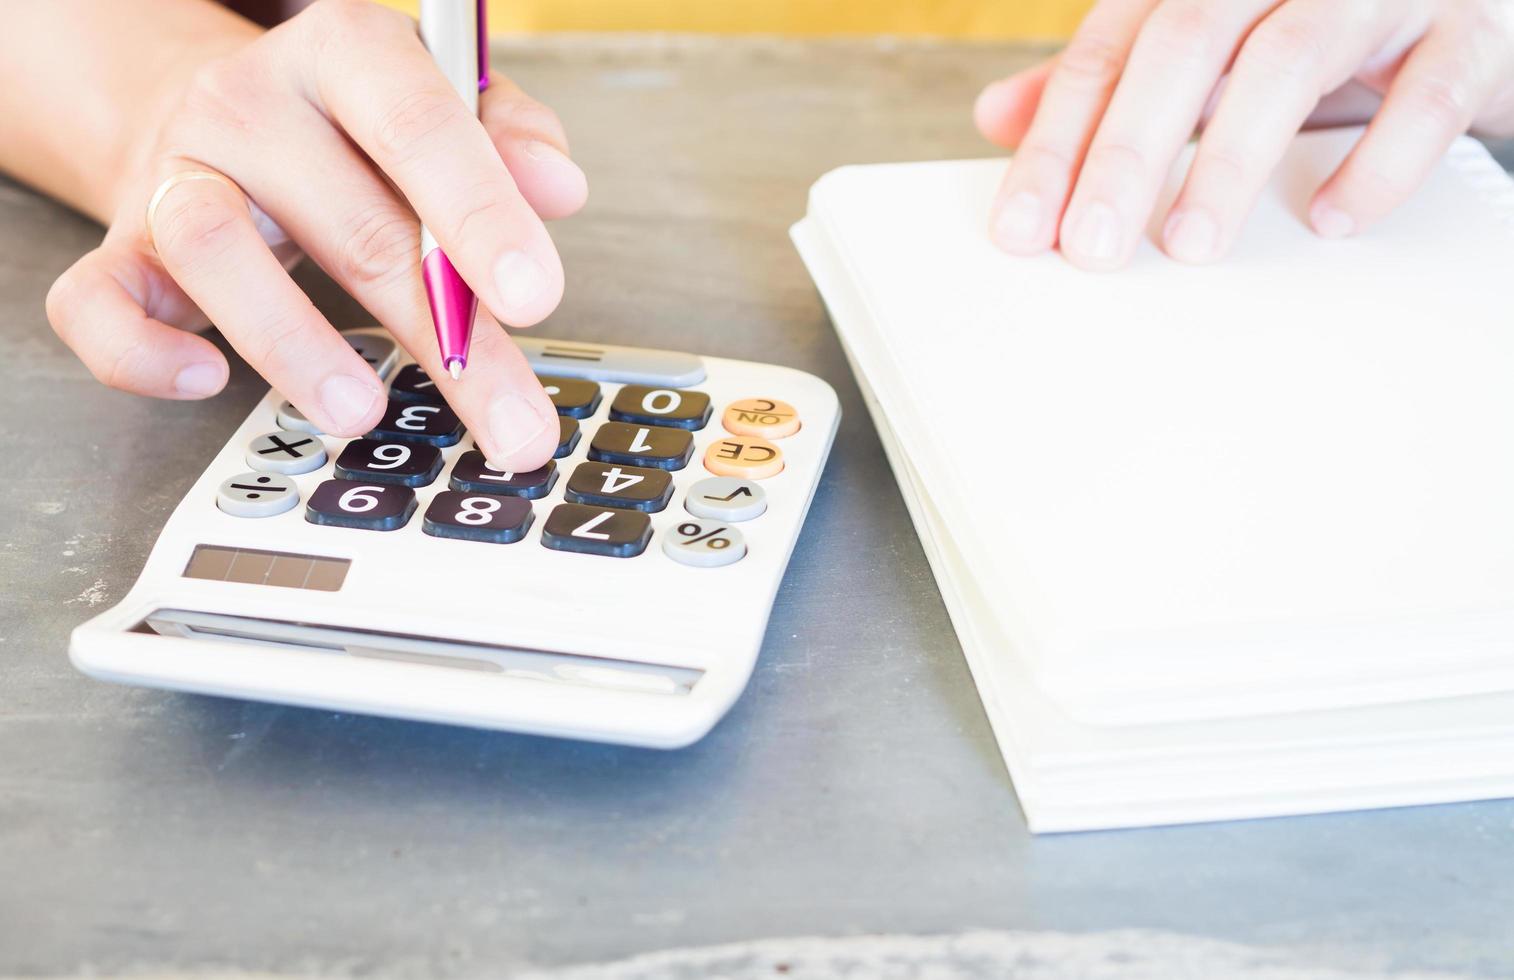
[{"x": 337, "y": 124}]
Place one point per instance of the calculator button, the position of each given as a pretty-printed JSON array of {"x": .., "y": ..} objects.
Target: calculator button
[
  {"x": 286, "y": 452},
  {"x": 573, "y": 397},
  {"x": 725, "y": 498},
  {"x": 602, "y": 362},
  {"x": 764, "y": 417},
  {"x": 360, "y": 504},
  {"x": 661, "y": 406},
  {"x": 744, "y": 457},
  {"x": 405, "y": 464},
  {"x": 434, "y": 424},
  {"x": 597, "y": 530},
  {"x": 413, "y": 384},
  {"x": 642, "y": 445},
  {"x": 568, "y": 434},
  {"x": 473, "y": 474},
  {"x": 380, "y": 352},
  {"x": 477, "y": 517},
  {"x": 294, "y": 420},
  {"x": 610, "y": 485},
  {"x": 257, "y": 495},
  {"x": 704, "y": 544}
]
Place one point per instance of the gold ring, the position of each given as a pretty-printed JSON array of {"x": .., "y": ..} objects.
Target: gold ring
[{"x": 183, "y": 176}]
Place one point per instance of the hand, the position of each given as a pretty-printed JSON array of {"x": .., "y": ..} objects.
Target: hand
[
  {"x": 335, "y": 125},
  {"x": 1099, "y": 126}
]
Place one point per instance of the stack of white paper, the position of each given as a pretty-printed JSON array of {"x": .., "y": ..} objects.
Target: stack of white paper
[{"x": 1218, "y": 542}]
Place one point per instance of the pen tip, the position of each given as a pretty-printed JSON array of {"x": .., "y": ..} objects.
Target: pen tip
[{"x": 455, "y": 368}]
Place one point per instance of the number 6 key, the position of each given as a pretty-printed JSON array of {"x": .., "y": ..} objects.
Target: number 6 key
[{"x": 369, "y": 506}]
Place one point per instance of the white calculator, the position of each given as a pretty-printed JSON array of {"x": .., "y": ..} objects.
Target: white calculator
[{"x": 618, "y": 594}]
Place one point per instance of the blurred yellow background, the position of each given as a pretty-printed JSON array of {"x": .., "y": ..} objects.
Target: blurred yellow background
[{"x": 1019, "y": 19}]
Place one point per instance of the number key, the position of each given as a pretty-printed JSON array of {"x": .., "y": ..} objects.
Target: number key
[
  {"x": 477, "y": 517},
  {"x": 642, "y": 445},
  {"x": 473, "y": 474},
  {"x": 568, "y": 434},
  {"x": 661, "y": 406},
  {"x": 434, "y": 424},
  {"x": 413, "y": 384},
  {"x": 573, "y": 397},
  {"x": 631, "y": 487},
  {"x": 405, "y": 464},
  {"x": 370, "y": 506},
  {"x": 597, "y": 531}
]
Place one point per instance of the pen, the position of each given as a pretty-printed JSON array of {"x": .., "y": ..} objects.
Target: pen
[{"x": 456, "y": 34}]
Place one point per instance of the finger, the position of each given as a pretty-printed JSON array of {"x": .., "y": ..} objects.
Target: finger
[
  {"x": 1024, "y": 216},
  {"x": 1174, "y": 65},
  {"x": 356, "y": 228},
  {"x": 206, "y": 239},
  {"x": 390, "y": 98},
  {"x": 530, "y": 140},
  {"x": 1293, "y": 57},
  {"x": 1004, "y": 109},
  {"x": 99, "y": 309},
  {"x": 1440, "y": 88}
]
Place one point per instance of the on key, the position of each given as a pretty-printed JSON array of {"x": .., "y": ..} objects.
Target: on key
[
  {"x": 437, "y": 425},
  {"x": 642, "y": 445},
  {"x": 597, "y": 531},
  {"x": 646, "y": 405}
]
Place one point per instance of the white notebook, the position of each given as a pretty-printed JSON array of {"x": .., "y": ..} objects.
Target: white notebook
[{"x": 1218, "y": 542}]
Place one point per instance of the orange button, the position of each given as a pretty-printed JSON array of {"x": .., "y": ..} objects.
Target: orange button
[
  {"x": 744, "y": 456},
  {"x": 763, "y": 417}
]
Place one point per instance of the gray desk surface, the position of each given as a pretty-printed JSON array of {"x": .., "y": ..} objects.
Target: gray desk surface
[{"x": 854, "y": 791}]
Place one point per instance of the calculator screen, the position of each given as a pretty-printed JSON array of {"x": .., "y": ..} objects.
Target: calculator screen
[{"x": 267, "y": 568}]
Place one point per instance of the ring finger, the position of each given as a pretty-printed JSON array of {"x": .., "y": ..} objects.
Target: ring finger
[{"x": 204, "y": 234}]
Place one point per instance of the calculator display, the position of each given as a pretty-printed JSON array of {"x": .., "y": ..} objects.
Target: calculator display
[{"x": 267, "y": 568}]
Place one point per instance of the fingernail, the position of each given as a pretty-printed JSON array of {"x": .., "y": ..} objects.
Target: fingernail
[
  {"x": 199, "y": 380},
  {"x": 1096, "y": 233},
  {"x": 1018, "y": 223},
  {"x": 346, "y": 401},
  {"x": 514, "y": 423},
  {"x": 547, "y": 153},
  {"x": 1331, "y": 222},
  {"x": 1192, "y": 235},
  {"x": 521, "y": 280}
]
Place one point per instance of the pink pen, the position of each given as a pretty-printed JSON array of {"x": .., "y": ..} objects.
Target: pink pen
[{"x": 456, "y": 34}]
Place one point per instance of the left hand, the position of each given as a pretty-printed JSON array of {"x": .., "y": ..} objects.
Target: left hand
[{"x": 1099, "y": 126}]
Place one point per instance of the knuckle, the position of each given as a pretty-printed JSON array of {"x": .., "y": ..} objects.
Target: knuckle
[
  {"x": 121, "y": 368},
  {"x": 406, "y": 127},
  {"x": 223, "y": 94},
  {"x": 1445, "y": 101},
  {"x": 62, "y": 297},
  {"x": 1115, "y": 158},
  {"x": 192, "y": 229},
  {"x": 1287, "y": 45},
  {"x": 278, "y": 350},
  {"x": 488, "y": 210},
  {"x": 1091, "y": 60},
  {"x": 379, "y": 246},
  {"x": 526, "y": 115},
  {"x": 1185, "y": 27},
  {"x": 349, "y": 16}
]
